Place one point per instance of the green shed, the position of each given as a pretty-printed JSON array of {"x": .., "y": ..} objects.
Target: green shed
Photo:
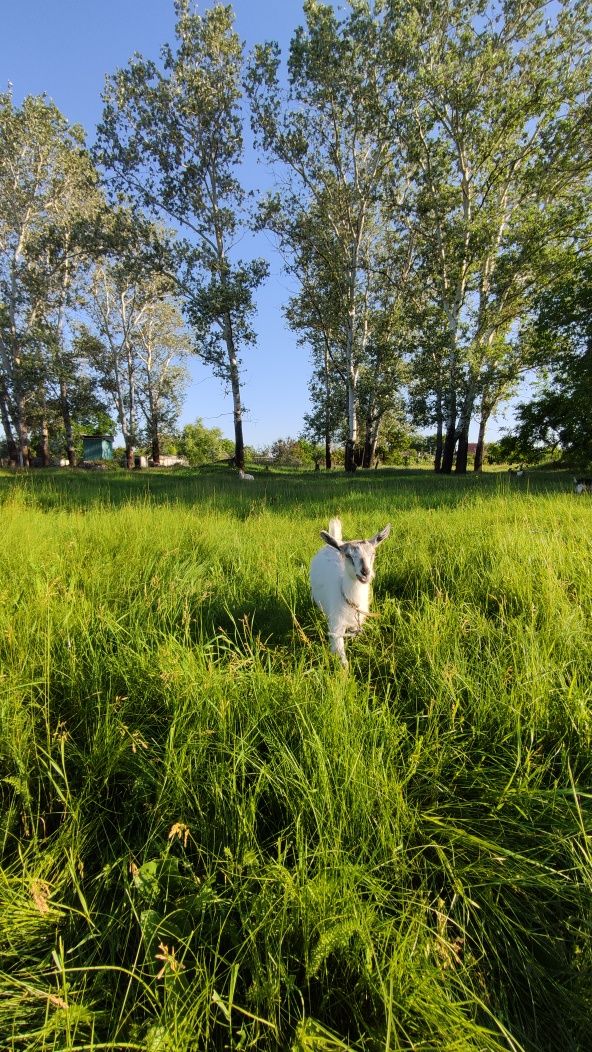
[{"x": 97, "y": 447}]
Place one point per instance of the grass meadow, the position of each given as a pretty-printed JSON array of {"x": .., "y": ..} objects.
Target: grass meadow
[{"x": 214, "y": 838}]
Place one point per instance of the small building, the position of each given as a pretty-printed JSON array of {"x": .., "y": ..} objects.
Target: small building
[
  {"x": 170, "y": 460},
  {"x": 97, "y": 447}
]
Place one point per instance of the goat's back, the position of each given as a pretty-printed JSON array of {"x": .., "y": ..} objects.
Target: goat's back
[{"x": 326, "y": 575}]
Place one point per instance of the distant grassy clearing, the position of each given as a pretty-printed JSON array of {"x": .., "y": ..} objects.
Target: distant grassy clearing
[{"x": 212, "y": 838}]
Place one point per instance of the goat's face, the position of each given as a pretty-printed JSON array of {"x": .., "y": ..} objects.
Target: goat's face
[
  {"x": 358, "y": 556},
  {"x": 359, "y": 560}
]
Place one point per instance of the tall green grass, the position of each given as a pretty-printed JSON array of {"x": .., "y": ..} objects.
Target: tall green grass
[{"x": 212, "y": 838}]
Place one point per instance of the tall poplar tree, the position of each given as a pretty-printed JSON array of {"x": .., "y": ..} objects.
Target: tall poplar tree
[
  {"x": 331, "y": 135},
  {"x": 48, "y": 189},
  {"x": 133, "y": 340},
  {"x": 171, "y": 138},
  {"x": 492, "y": 96}
]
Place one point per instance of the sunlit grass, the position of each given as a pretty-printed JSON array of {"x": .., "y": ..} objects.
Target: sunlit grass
[{"x": 213, "y": 838}]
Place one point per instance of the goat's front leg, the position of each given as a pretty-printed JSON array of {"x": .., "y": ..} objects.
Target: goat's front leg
[{"x": 338, "y": 647}]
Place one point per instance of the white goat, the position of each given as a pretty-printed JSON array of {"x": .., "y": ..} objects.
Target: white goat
[
  {"x": 340, "y": 576},
  {"x": 244, "y": 477},
  {"x": 583, "y": 485}
]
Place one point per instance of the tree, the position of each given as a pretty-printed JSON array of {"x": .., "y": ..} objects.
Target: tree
[
  {"x": 171, "y": 138},
  {"x": 293, "y": 452},
  {"x": 48, "y": 190},
  {"x": 203, "y": 445},
  {"x": 499, "y": 376},
  {"x": 73, "y": 237},
  {"x": 327, "y": 417},
  {"x": 315, "y": 316},
  {"x": 491, "y": 101},
  {"x": 162, "y": 346},
  {"x": 427, "y": 377},
  {"x": 331, "y": 135},
  {"x": 133, "y": 341},
  {"x": 559, "y": 336}
]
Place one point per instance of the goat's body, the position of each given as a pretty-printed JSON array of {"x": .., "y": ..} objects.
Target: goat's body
[
  {"x": 583, "y": 485},
  {"x": 343, "y": 598},
  {"x": 244, "y": 477},
  {"x": 345, "y": 603}
]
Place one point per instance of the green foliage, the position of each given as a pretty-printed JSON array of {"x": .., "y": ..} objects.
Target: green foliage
[
  {"x": 559, "y": 417},
  {"x": 203, "y": 445},
  {"x": 49, "y": 204},
  {"x": 532, "y": 443},
  {"x": 214, "y": 838},
  {"x": 489, "y": 104},
  {"x": 294, "y": 452},
  {"x": 171, "y": 137},
  {"x": 134, "y": 340},
  {"x": 331, "y": 132},
  {"x": 501, "y": 452}
]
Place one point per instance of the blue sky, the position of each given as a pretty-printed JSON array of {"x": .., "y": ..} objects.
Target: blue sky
[{"x": 65, "y": 48}]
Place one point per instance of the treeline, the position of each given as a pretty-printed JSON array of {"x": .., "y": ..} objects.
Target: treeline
[
  {"x": 437, "y": 185},
  {"x": 432, "y": 204},
  {"x": 90, "y": 331}
]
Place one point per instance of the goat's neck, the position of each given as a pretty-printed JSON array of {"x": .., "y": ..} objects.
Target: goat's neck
[{"x": 356, "y": 593}]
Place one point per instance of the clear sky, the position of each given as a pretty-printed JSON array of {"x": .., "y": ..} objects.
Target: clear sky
[{"x": 65, "y": 48}]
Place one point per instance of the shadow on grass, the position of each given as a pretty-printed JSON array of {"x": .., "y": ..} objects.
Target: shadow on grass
[{"x": 396, "y": 488}]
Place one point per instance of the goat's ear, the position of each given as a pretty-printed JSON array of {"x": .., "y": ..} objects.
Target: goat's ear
[
  {"x": 328, "y": 539},
  {"x": 382, "y": 536}
]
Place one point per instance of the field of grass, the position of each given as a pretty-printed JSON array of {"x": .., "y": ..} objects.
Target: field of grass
[{"x": 214, "y": 838}]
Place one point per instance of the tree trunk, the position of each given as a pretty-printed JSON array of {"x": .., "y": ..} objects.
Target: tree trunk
[
  {"x": 153, "y": 409},
  {"x": 23, "y": 436},
  {"x": 67, "y": 421},
  {"x": 450, "y": 437},
  {"x": 44, "y": 445},
  {"x": 352, "y": 423},
  {"x": 448, "y": 451},
  {"x": 478, "y": 465},
  {"x": 462, "y": 453},
  {"x": 239, "y": 445},
  {"x": 439, "y": 447},
  {"x": 155, "y": 447},
  {"x": 450, "y": 398},
  {"x": 439, "y": 433},
  {"x": 328, "y": 459},
  {"x": 352, "y": 371},
  {"x": 373, "y": 458},
  {"x": 350, "y": 459},
  {"x": 371, "y": 440},
  {"x": 132, "y": 431},
  {"x": 367, "y": 451},
  {"x": 10, "y": 440}
]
